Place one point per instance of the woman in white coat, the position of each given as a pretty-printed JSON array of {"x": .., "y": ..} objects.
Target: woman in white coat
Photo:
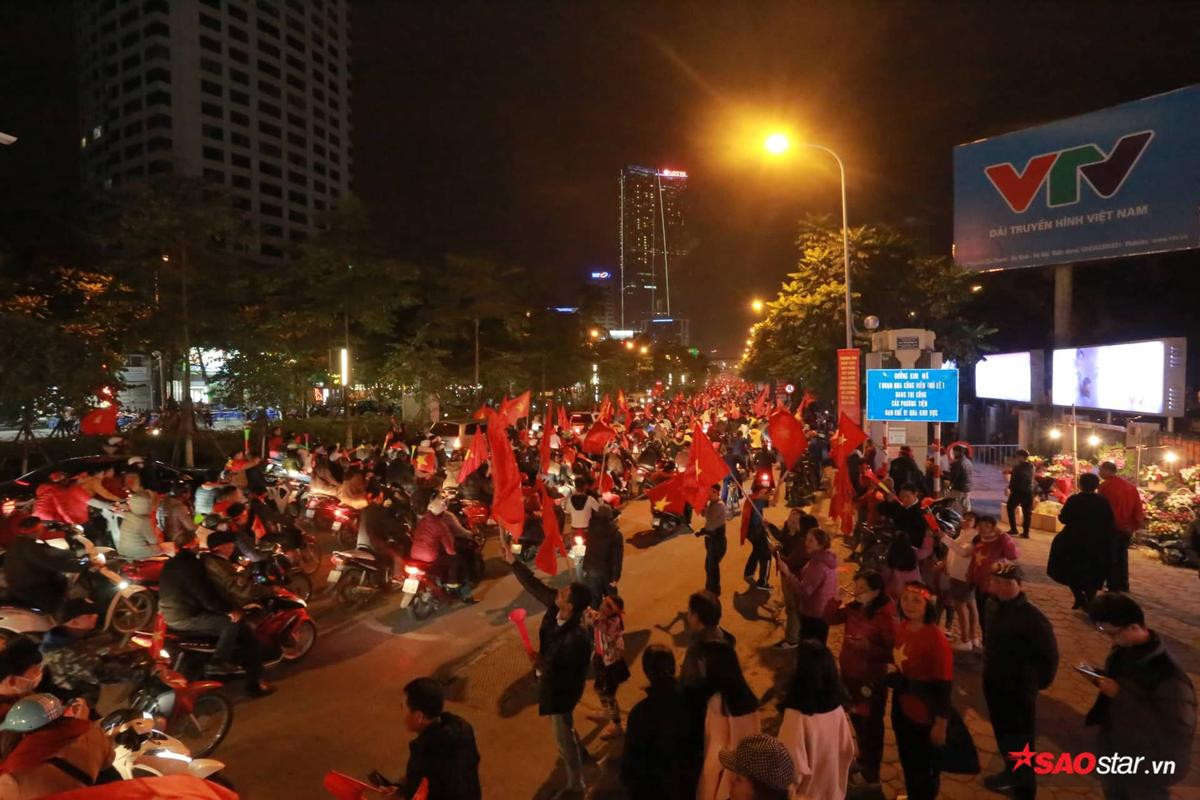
[
  {"x": 731, "y": 714},
  {"x": 815, "y": 728}
]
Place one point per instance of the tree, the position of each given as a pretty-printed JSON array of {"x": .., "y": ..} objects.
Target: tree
[
  {"x": 803, "y": 327},
  {"x": 59, "y": 343},
  {"x": 177, "y": 243}
]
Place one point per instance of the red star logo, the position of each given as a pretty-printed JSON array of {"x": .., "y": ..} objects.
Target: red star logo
[{"x": 1023, "y": 758}]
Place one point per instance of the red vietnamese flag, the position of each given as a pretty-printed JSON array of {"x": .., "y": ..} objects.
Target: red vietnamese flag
[
  {"x": 787, "y": 435},
  {"x": 807, "y": 400},
  {"x": 508, "y": 506},
  {"x": 544, "y": 445},
  {"x": 477, "y": 453},
  {"x": 760, "y": 403},
  {"x": 552, "y": 544},
  {"x": 564, "y": 424},
  {"x": 513, "y": 410},
  {"x": 426, "y": 462},
  {"x": 100, "y": 421},
  {"x": 605, "y": 483},
  {"x": 481, "y": 412},
  {"x": 599, "y": 436},
  {"x": 670, "y": 495},
  {"x": 747, "y": 509},
  {"x": 705, "y": 465},
  {"x": 623, "y": 406},
  {"x": 606, "y": 410},
  {"x": 844, "y": 442}
]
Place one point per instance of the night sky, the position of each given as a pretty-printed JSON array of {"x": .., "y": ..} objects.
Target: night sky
[{"x": 499, "y": 128}]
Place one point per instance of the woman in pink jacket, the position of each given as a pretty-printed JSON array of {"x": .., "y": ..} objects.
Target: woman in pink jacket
[{"x": 815, "y": 586}]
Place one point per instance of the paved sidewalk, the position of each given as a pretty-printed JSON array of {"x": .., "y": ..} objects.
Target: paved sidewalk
[{"x": 1168, "y": 594}]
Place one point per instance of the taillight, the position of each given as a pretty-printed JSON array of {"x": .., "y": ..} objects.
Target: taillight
[
  {"x": 8, "y": 508},
  {"x": 411, "y": 570},
  {"x": 765, "y": 479}
]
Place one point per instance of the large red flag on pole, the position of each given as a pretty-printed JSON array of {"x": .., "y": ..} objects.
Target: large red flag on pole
[
  {"x": 670, "y": 495},
  {"x": 707, "y": 467},
  {"x": 544, "y": 445},
  {"x": 845, "y": 441},
  {"x": 787, "y": 435},
  {"x": 477, "y": 453},
  {"x": 508, "y": 505},
  {"x": 100, "y": 421},
  {"x": 552, "y": 544},
  {"x": 760, "y": 403},
  {"x": 514, "y": 409},
  {"x": 599, "y": 436}
]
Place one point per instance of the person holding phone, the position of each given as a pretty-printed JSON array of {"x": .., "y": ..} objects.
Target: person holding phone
[{"x": 1147, "y": 704}]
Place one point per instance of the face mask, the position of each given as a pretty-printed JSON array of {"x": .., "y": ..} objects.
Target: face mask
[{"x": 19, "y": 685}]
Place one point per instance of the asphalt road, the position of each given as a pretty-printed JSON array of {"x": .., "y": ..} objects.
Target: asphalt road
[{"x": 342, "y": 707}]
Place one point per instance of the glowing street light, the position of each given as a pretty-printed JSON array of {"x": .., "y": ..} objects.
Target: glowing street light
[
  {"x": 594, "y": 333},
  {"x": 628, "y": 345},
  {"x": 757, "y": 305},
  {"x": 1094, "y": 440},
  {"x": 1054, "y": 433},
  {"x": 777, "y": 143},
  {"x": 1170, "y": 456},
  {"x": 644, "y": 349}
]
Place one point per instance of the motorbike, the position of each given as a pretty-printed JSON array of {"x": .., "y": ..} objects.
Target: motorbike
[
  {"x": 141, "y": 750},
  {"x": 798, "y": 484},
  {"x": 275, "y": 567},
  {"x": 197, "y": 713},
  {"x": 423, "y": 593},
  {"x": 319, "y": 509},
  {"x": 357, "y": 577},
  {"x": 127, "y": 607},
  {"x": 281, "y": 624},
  {"x": 345, "y": 525},
  {"x": 474, "y": 515}
]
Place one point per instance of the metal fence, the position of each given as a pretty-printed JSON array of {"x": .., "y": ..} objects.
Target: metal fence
[{"x": 999, "y": 455}]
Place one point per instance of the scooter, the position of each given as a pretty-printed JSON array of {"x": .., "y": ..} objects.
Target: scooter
[
  {"x": 281, "y": 624},
  {"x": 345, "y": 525},
  {"x": 423, "y": 593},
  {"x": 143, "y": 751},
  {"x": 197, "y": 713},
  {"x": 127, "y": 606}
]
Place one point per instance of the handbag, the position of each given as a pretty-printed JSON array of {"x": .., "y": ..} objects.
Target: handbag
[{"x": 958, "y": 756}]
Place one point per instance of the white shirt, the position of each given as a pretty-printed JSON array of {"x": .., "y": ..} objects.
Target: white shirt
[{"x": 582, "y": 516}]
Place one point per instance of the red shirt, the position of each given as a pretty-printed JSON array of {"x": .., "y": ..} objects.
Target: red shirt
[
  {"x": 922, "y": 655},
  {"x": 1126, "y": 503},
  {"x": 1002, "y": 548}
]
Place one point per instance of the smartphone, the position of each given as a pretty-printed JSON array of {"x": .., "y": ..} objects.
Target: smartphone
[{"x": 1093, "y": 672}]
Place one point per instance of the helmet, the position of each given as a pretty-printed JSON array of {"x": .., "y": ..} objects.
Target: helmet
[
  {"x": 948, "y": 519},
  {"x": 32, "y": 712}
]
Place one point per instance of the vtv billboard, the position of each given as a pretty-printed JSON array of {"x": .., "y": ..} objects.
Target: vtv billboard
[{"x": 1116, "y": 182}]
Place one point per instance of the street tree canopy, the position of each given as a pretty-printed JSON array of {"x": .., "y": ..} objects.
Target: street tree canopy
[{"x": 804, "y": 325}]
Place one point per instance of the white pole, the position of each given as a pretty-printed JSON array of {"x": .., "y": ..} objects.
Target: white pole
[{"x": 845, "y": 242}]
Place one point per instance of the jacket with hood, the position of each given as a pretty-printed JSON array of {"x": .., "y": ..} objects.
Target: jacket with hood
[
  {"x": 816, "y": 584},
  {"x": 565, "y": 649},
  {"x": 1020, "y": 651},
  {"x": 445, "y": 754},
  {"x": 138, "y": 539},
  {"x": 1153, "y": 714},
  {"x": 581, "y": 507}
]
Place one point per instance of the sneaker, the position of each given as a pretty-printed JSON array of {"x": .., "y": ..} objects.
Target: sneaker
[{"x": 785, "y": 645}]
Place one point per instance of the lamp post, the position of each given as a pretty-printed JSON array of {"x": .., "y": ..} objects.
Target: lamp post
[{"x": 777, "y": 144}]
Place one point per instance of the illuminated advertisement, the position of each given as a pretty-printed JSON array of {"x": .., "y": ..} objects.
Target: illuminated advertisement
[
  {"x": 1009, "y": 376},
  {"x": 1139, "y": 377}
]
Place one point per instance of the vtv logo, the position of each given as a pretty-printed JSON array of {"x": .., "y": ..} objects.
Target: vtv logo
[{"x": 1061, "y": 171}]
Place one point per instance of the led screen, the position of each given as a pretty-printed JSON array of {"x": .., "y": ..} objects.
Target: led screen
[
  {"x": 1116, "y": 377},
  {"x": 1005, "y": 376}
]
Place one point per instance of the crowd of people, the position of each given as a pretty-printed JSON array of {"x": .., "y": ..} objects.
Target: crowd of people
[{"x": 951, "y": 582}]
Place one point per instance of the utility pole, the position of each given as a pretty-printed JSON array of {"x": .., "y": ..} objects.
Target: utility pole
[{"x": 346, "y": 383}]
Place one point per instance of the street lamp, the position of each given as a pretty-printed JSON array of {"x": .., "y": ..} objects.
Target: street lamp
[
  {"x": 1055, "y": 434},
  {"x": 777, "y": 144},
  {"x": 644, "y": 349},
  {"x": 628, "y": 345},
  {"x": 756, "y": 306},
  {"x": 594, "y": 333}
]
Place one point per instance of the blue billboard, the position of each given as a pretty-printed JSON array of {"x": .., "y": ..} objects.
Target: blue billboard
[
  {"x": 1117, "y": 182},
  {"x": 912, "y": 395}
]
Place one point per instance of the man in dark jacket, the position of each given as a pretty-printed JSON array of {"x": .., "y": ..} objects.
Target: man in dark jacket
[
  {"x": 704, "y": 622},
  {"x": 191, "y": 602},
  {"x": 656, "y": 763},
  {"x": 1020, "y": 659},
  {"x": 1147, "y": 704},
  {"x": 907, "y": 515},
  {"x": 564, "y": 652},
  {"x": 1020, "y": 494},
  {"x": 604, "y": 556},
  {"x": 34, "y": 570},
  {"x": 444, "y": 751},
  {"x": 904, "y": 469},
  {"x": 961, "y": 477}
]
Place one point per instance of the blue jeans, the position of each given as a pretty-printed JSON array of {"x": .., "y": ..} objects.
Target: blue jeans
[{"x": 568, "y": 749}]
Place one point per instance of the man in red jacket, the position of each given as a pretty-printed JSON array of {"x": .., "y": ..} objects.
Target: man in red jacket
[{"x": 1128, "y": 516}]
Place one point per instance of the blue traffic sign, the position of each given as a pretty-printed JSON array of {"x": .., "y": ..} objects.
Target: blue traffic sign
[{"x": 912, "y": 395}]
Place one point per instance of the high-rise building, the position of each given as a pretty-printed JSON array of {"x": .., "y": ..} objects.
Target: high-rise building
[
  {"x": 250, "y": 94},
  {"x": 604, "y": 289},
  {"x": 652, "y": 240}
]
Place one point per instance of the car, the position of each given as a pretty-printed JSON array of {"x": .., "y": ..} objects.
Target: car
[
  {"x": 456, "y": 434},
  {"x": 582, "y": 421},
  {"x": 158, "y": 476}
]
